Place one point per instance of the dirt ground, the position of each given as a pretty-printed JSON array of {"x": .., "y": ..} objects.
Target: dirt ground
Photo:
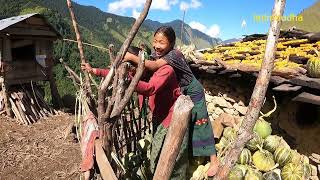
[{"x": 39, "y": 151}]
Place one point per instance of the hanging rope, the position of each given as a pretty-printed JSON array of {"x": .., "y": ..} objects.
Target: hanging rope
[{"x": 88, "y": 44}]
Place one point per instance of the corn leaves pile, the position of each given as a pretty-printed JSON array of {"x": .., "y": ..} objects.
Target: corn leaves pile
[{"x": 291, "y": 54}]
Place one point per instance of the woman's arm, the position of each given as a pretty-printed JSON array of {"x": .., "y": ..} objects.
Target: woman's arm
[
  {"x": 150, "y": 65},
  {"x": 100, "y": 72},
  {"x": 95, "y": 71},
  {"x": 157, "y": 81}
]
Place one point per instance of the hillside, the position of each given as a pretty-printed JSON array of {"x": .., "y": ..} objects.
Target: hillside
[
  {"x": 97, "y": 27},
  {"x": 103, "y": 27},
  {"x": 311, "y": 19},
  {"x": 190, "y": 36}
]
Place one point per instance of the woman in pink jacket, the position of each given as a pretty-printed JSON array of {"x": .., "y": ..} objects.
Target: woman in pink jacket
[{"x": 162, "y": 90}]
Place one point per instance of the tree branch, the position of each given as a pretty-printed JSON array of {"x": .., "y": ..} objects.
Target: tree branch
[
  {"x": 70, "y": 71},
  {"x": 128, "y": 41},
  {"x": 106, "y": 82},
  {"x": 128, "y": 93}
]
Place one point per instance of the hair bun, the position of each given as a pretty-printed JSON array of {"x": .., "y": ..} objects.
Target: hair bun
[{"x": 134, "y": 50}]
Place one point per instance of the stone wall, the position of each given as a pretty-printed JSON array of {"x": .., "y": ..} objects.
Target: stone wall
[{"x": 298, "y": 123}]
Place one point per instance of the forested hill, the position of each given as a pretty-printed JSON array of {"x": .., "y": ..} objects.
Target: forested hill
[
  {"x": 309, "y": 19},
  {"x": 97, "y": 27},
  {"x": 102, "y": 24}
]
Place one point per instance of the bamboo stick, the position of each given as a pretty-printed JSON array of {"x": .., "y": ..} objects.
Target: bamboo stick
[{"x": 88, "y": 44}]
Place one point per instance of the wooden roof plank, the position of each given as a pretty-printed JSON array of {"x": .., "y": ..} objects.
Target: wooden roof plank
[
  {"x": 308, "y": 98},
  {"x": 287, "y": 88},
  {"x": 306, "y": 81}
]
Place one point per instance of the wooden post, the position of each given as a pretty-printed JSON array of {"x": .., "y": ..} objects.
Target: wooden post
[
  {"x": 257, "y": 97},
  {"x": 80, "y": 46},
  {"x": 171, "y": 147},
  {"x": 105, "y": 168},
  {"x": 56, "y": 99},
  {"x": 6, "y": 97},
  {"x": 6, "y": 57}
]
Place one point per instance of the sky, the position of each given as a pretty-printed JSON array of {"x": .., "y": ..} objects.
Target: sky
[{"x": 223, "y": 19}]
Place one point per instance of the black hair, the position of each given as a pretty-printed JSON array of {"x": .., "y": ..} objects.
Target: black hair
[
  {"x": 168, "y": 32},
  {"x": 134, "y": 50}
]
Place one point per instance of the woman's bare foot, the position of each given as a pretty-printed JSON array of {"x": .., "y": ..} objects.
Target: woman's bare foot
[{"x": 214, "y": 165}]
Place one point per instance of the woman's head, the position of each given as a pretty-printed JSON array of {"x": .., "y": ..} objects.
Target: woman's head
[{"x": 163, "y": 40}]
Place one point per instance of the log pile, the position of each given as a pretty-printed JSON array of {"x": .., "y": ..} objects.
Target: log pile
[{"x": 28, "y": 105}]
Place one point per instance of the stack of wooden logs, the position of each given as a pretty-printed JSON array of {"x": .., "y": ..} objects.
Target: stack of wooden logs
[{"x": 28, "y": 105}]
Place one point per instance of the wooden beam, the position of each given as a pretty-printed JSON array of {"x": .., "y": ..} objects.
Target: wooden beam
[
  {"x": 287, "y": 87},
  {"x": 21, "y": 43},
  {"x": 25, "y": 80},
  {"x": 171, "y": 147},
  {"x": 35, "y": 21},
  {"x": 7, "y": 55},
  {"x": 307, "y": 98},
  {"x": 28, "y": 37},
  {"x": 306, "y": 81},
  {"x": 105, "y": 168},
  {"x": 277, "y": 80},
  {"x": 32, "y": 32},
  {"x": 25, "y": 25}
]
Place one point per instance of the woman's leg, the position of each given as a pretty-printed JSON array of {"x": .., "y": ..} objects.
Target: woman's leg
[
  {"x": 180, "y": 167},
  {"x": 201, "y": 132}
]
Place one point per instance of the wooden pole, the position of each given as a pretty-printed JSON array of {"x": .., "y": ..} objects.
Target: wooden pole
[
  {"x": 56, "y": 99},
  {"x": 6, "y": 97},
  {"x": 257, "y": 97},
  {"x": 80, "y": 45},
  {"x": 182, "y": 24},
  {"x": 105, "y": 168},
  {"x": 171, "y": 147}
]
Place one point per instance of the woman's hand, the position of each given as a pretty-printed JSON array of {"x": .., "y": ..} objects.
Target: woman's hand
[{"x": 86, "y": 67}]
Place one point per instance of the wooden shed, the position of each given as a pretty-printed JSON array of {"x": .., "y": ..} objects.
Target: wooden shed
[{"x": 26, "y": 51}]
